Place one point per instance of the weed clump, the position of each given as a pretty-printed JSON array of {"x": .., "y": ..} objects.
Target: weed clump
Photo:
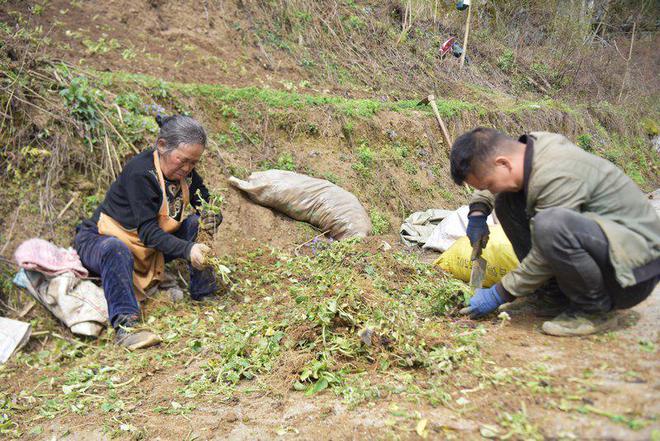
[
  {"x": 212, "y": 206},
  {"x": 379, "y": 223},
  {"x": 311, "y": 321},
  {"x": 206, "y": 232},
  {"x": 365, "y": 160}
]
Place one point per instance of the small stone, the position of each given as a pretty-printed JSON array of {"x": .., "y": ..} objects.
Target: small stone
[
  {"x": 175, "y": 294},
  {"x": 365, "y": 336},
  {"x": 462, "y": 401}
]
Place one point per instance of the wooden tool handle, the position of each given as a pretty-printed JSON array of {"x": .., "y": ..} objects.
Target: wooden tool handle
[{"x": 445, "y": 133}]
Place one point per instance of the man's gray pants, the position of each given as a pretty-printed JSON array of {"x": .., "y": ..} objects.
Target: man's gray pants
[{"x": 578, "y": 252}]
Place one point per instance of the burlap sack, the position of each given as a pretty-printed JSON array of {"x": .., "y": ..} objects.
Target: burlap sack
[{"x": 317, "y": 201}]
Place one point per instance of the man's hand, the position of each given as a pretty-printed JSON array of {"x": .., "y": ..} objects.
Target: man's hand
[
  {"x": 209, "y": 220},
  {"x": 477, "y": 228},
  {"x": 198, "y": 255},
  {"x": 483, "y": 301}
]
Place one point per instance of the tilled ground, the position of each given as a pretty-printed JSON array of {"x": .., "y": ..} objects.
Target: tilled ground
[{"x": 530, "y": 386}]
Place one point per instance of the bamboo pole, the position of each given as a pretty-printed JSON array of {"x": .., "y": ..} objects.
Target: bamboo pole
[{"x": 467, "y": 33}]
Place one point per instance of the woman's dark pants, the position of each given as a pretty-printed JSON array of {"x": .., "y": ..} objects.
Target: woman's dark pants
[
  {"x": 577, "y": 250},
  {"x": 109, "y": 258}
]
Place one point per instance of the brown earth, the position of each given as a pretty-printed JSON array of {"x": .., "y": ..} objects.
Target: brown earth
[
  {"x": 205, "y": 42},
  {"x": 617, "y": 378}
]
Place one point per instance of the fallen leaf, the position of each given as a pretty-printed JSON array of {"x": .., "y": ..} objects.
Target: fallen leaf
[
  {"x": 421, "y": 428},
  {"x": 488, "y": 431}
]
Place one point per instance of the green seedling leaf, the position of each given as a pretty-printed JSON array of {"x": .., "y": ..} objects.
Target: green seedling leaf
[{"x": 317, "y": 387}]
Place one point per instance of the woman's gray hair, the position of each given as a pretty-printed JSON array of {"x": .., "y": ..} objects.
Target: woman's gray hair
[{"x": 178, "y": 129}]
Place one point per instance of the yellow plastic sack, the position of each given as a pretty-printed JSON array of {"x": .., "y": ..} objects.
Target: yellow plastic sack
[{"x": 498, "y": 254}]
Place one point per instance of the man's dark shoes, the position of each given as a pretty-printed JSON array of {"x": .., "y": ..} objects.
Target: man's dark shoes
[{"x": 129, "y": 335}]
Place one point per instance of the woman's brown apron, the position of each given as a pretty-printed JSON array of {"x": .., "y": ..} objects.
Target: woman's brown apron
[{"x": 148, "y": 263}]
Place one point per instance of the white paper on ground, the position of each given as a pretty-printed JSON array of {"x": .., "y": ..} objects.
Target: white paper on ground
[{"x": 13, "y": 335}]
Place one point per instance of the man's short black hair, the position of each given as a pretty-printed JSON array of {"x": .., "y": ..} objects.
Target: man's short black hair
[{"x": 472, "y": 149}]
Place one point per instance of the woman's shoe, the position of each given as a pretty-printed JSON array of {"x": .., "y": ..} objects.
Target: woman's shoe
[{"x": 129, "y": 335}]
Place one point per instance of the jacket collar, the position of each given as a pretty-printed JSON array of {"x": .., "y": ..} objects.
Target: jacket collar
[{"x": 529, "y": 157}]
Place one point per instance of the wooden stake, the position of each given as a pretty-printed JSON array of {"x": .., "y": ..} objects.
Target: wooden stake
[
  {"x": 107, "y": 150},
  {"x": 441, "y": 123},
  {"x": 467, "y": 33},
  {"x": 66, "y": 207},
  {"x": 625, "y": 73},
  {"x": 443, "y": 128}
]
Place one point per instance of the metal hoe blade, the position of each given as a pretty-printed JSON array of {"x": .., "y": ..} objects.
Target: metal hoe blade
[
  {"x": 478, "y": 264},
  {"x": 478, "y": 273}
]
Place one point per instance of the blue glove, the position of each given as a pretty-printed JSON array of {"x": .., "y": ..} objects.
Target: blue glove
[
  {"x": 483, "y": 301},
  {"x": 477, "y": 228}
]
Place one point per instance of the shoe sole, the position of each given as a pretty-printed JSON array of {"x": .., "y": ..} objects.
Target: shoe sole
[
  {"x": 146, "y": 344},
  {"x": 149, "y": 340}
]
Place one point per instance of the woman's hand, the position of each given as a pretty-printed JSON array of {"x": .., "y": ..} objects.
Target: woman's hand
[
  {"x": 198, "y": 255},
  {"x": 209, "y": 221}
]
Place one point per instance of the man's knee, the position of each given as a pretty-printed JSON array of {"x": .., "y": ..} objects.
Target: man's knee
[
  {"x": 114, "y": 249},
  {"x": 549, "y": 226}
]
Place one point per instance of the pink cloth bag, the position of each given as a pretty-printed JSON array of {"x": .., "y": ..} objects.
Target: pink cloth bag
[{"x": 49, "y": 259}]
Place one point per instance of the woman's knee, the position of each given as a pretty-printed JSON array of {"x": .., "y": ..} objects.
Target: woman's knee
[
  {"x": 193, "y": 221},
  {"x": 189, "y": 228},
  {"x": 113, "y": 249}
]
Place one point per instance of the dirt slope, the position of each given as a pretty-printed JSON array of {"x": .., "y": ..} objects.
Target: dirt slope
[{"x": 201, "y": 42}]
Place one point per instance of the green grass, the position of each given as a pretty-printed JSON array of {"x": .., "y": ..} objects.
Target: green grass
[
  {"x": 379, "y": 223},
  {"x": 235, "y": 102},
  {"x": 287, "y": 99}
]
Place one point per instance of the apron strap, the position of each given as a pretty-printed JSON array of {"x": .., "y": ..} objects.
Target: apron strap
[{"x": 185, "y": 190}]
